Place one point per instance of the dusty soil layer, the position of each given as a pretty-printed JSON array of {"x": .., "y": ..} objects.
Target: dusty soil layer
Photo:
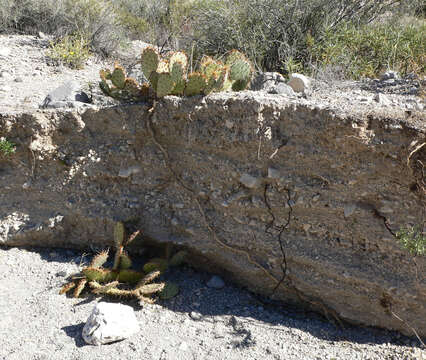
[
  {"x": 200, "y": 323},
  {"x": 297, "y": 198}
]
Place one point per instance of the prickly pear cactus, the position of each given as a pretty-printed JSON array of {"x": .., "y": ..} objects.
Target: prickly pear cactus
[
  {"x": 120, "y": 87},
  {"x": 195, "y": 84},
  {"x": 168, "y": 76},
  {"x": 149, "y": 61},
  {"x": 104, "y": 281}
]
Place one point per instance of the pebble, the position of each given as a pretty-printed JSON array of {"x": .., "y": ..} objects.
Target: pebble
[
  {"x": 216, "y": 282},
  {"x": 250, "y": 181},
  {"x": 195, "y": 315},
  {"x": 299, "y": 83}
]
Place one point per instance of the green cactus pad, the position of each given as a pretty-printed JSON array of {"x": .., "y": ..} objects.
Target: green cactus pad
[
  {"x": 118, "y": 234},
  {"x": 195, "y": 84},
  {"x": 99, "y": 259},
  {"x": 178, "y": 258},
  {"x": 105, "y": 87},
  {"x": 149, "y": 61},
  {"x": 155, "y": 264},
  {"x": 233, "y": 56},
  {"x": 240, "y": 70},
  {"x": 179, "y": 57},
  {"x": 169, "y": 291},
  {"x": 125, "y": 261},
  {"x": 118, "y": 76},
  {"x": 105, "y": 74},
  {"x": 129, "y": 276},
  {"x": 99, "y": 275},
  {"x": 177, "y": 71},
  {"x": 165, "y": 84},
  {"x": 240, "y": 85},
  {"x": 150, "y": 288},
  {"x": 209, "y": 66}
]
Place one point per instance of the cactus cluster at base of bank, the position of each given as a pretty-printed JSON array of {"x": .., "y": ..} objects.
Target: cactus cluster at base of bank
[
  {"x": 169, "y": 76},
  {"x": 121, "y": 280}
]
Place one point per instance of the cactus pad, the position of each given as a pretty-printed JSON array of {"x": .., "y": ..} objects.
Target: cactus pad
[
  {"x": 155, "y": 264},
  {"x": 99, "y": 259},
  {"x": 169, "y": 291},
  {"x": 118, "y": 76},
  {"x": 165, "y": 84},
  {"x": 179, "y": 57},
  {"x": 149, "y": 61},
  {"x": 195, "y": 84},
  {"x": 178, "y": 258}
]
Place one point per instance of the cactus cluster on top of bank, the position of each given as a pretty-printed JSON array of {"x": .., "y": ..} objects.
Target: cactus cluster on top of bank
[{"x": 169, "y": 76}]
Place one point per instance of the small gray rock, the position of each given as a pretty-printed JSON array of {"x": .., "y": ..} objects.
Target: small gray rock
[
  {"x": 273, "y": 173},
  {"x": 110, "y": 322},
  {"x": 66, "y": 95},
  {"x": 125, "y": 173},
  {"x": 216, "y": 282},
  {"x": 282, "y": 89},
  {"x": 250, "y": 181},
  {"x": 266, "y": 81},
  {"x": 18, "y": 79},
  {"x": 299, "y": 83}
]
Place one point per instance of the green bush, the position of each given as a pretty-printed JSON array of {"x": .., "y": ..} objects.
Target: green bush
[
  {"x": 369, "y": 50},
  {"x": 6, "y": 147},
  {"x": 274, "y": 33},
  {"x": 413, "y": 239},
  {"x": 71, "y": 50},
  {"x": 95, "y": 19}
]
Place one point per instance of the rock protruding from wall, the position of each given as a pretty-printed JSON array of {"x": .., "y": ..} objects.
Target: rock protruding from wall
[{"x": 297, "y": 201}]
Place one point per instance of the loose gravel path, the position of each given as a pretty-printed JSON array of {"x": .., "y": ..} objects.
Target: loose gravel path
[{"x": 200, "y": 323}]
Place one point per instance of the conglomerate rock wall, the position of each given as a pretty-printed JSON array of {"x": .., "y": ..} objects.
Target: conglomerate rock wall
[{"x": 293, "y": 200}]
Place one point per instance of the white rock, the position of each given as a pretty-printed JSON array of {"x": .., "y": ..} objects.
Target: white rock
[
  {"x": 389, "y": 75},
  {"x": 250, "y": 181},
  {"x": 349, "y": 209},
  {"x": 110, "y": 322},
  {"x": 299, "y": 82},
  {"x": 129, "y": 171},
  {"x": 382, "y": 99},
  {"x": 4, "y": 51}
]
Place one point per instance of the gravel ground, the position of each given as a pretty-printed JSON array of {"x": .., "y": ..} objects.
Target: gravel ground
[{"x": 200, "y": 323}]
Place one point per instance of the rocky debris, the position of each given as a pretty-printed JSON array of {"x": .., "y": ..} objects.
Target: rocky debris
[
  {"x": 299, "y": 83},
  {"x": 68, "y": 94},
  {"x": 216, "y": 282},
  {"x": 388, "y": 75},
  {"x": 271, "y": 83},
  {"x": 110, "y": 322},
  {"x": 382, "y": 99},
  {"x": 250, "y": 181}
]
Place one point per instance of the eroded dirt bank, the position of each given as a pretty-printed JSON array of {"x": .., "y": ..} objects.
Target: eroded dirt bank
[{"x": 293, "y": 199}]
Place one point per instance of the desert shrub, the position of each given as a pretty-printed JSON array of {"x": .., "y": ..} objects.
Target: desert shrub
[
  {"x": 368, "y": 50},
  {"x": 70, "y": 50},
  {"x": 6, "y": 147},
  {"x": 93, "y": 18},
  {"x": 273, "y": 31},
  {"x": 413, "y": 239}
]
